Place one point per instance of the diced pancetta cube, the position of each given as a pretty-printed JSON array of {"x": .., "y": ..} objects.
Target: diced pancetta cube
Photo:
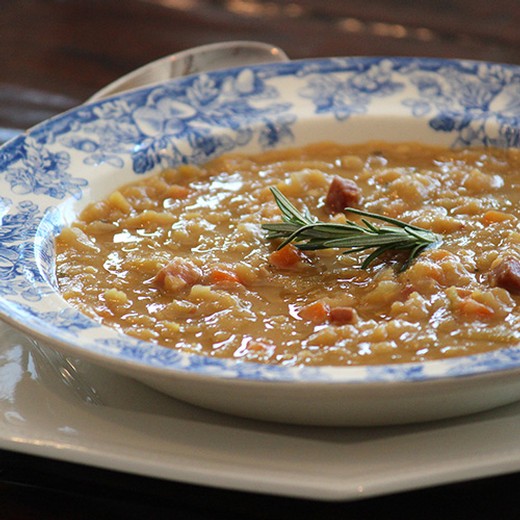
[
  {"x": 343, "y": 193},
  {"x": 342, "y": 315},
  {"x": 178, "y": 274},
  {"x": 507, "y": 275}
]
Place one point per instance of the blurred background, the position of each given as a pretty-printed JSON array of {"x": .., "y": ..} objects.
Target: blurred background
[{"x": 56, "y": 53}]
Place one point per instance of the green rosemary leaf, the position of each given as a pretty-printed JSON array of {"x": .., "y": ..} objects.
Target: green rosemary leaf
[{"x": 308, "y": 233}]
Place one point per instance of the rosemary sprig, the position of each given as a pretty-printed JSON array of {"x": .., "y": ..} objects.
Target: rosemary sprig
[{"x": 308, "y": 233}]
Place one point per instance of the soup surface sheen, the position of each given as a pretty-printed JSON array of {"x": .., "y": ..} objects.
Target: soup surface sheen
[{"x": 181, "y": 258}]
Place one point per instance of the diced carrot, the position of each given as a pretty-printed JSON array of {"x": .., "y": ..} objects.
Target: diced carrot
[
  {"x": 471, "y": 307},
  {"x": 222, "y": 276},
  {"x": 258, "y": 347},
  {"x": 493, "y": 216},
  {"x": 255, "y": 349},
  {"x": 286, "y": 257},
  {"x": 317, "y": 312}
]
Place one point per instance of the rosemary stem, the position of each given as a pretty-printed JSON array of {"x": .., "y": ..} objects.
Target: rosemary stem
[{"x": 308, "y": 233}]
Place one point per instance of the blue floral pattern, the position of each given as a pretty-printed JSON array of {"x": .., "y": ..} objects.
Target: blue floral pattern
[
  {"x": 43, "y": 173},
  {"x": 68, "y": 319},
  {"x": 49, "y": 174},
  {"x": 479, "y": 102},
  {"x": 162, "y": 120},
  {"x": 345, "y": 95},
  {"x": 18, "y": 271}
]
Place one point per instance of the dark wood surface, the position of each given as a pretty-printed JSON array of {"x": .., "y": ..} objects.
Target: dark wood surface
[{"x": 54, "y": 54}]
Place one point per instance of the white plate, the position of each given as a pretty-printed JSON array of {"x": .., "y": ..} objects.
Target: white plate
[
  {"x": 79, "y": 413},
  {"x": 47, "y": 176}
]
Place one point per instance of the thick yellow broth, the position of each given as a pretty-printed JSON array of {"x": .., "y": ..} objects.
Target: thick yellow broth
[{"x": 181, "y": 259}]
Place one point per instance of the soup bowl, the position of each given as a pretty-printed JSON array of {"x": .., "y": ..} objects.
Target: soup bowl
[{"x": 49, "y": 174}]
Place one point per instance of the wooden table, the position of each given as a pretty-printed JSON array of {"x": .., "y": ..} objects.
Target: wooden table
[{"x": 56, "y": 53}]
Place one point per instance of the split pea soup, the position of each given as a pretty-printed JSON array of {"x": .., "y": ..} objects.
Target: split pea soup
[{"x": 181, "y": 258}]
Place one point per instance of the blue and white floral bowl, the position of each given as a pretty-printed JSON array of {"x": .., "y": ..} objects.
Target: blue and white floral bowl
[{"x": 48, "y": 175}]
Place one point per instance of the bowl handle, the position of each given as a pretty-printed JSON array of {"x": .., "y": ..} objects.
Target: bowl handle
[{"x": 192, "y": 61}]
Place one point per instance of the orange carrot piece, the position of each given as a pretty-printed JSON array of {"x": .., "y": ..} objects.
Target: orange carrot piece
[
  {"x": 259, "y": 347},
  {"x": 471, "y": 307},
  {"x": 286, "y": 257},
  {"x": 222, "y": 276},
  {"x": 317, "y": 312}
]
